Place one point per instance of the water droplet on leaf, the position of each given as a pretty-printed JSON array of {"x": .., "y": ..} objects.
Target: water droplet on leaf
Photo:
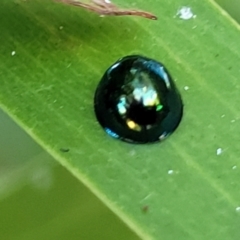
[{"x": 137, "y": 101}]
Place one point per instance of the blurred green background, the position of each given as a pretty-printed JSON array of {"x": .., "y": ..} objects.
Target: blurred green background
[{"x": 39, "y": 199}]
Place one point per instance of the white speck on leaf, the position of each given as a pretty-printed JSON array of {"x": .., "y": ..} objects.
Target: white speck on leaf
[
  {"x": 186, "y": 88},
  {"x": 219, "y": 151},
  {"x": 61, "y": 28},
  {"x": 185, "y": 13},
  {"x": 148, "y": 196},
  {"x": 233, "y": 121},
  {"x": 132, "y": 153},
  {"x": 238, "y": 209},
  {"x": 170, "y": 172},
  {"x": 234, "y": 167},
  {"x": 44, "y": 88},
  {"x": 13, "y": 53}
]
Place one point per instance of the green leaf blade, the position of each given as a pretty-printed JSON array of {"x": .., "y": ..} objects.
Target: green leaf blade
[{"x": 189, "y": 191}]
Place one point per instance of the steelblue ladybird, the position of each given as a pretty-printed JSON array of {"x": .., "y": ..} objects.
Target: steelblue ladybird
[{"x": 137, "y": 101}]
